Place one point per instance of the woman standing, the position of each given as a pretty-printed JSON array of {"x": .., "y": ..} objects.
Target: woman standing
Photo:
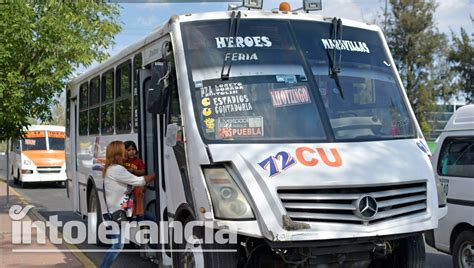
[{"x": 117, "y": 183}]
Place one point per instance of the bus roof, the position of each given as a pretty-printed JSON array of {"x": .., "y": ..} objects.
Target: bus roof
[
  {"x": 462, "y": 119},
  {"x": 45, "y": 127},
  {"x": 166, "y": 27}
]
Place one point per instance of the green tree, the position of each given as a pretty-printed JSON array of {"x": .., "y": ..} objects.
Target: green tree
[
  {"x": 417, "y": 48},
  {"x": 42, "y": 42},
  {"x": 461, "y": 55}
]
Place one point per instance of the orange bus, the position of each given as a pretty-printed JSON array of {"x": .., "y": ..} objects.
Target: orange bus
[{"x": 39, "y": 156}]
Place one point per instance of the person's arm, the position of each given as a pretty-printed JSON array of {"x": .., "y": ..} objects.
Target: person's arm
[
  {"x": 121, "y": 174},
  {"x": 138, "y": 172}
]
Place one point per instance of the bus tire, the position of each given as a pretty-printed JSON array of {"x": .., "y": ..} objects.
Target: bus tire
[
  {"x": 191, "y": 257},
  {"x": 23, "y": 184},
  {"x": 15, "y": 179},
  {"x": 410, "y": 253},
  {"x": 463, "y": 249},
  {"x": 93, "y": 208}
]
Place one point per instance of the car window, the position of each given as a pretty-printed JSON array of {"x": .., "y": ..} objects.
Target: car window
[{"x": 457, "y": 157}]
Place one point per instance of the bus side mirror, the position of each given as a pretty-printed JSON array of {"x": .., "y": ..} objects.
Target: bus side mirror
[
  {"x": 158, "y": 93},
  {"x": 171, "y": 135}
]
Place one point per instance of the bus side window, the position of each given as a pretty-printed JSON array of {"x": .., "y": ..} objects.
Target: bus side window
[{"x": 84, "y": 109}]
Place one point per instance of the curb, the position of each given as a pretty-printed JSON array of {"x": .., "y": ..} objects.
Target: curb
[{"x": 33, "y": 212}]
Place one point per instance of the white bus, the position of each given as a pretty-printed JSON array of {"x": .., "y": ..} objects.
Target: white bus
[
  {"x": 39, "y": 156},
  {"x": 292, "y": 126}
]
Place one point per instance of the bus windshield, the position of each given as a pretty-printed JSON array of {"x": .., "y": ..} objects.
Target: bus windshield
[
  {"x": 280, "y": 88},
  {"x": 56, "y": 140},
  {"x": 34, "y": 140}
]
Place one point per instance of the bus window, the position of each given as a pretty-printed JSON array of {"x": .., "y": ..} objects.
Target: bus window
[
  {"x": 137, "y": 64},
  {"x": 107, "y": 109},
  {"x": 34, "y": 140},
  {"x": 56, "y": 140},
  {"x": 83, "y": 92},
  {"x": 94, "y": 100},
  {"x": 123, "y": 107},
  {"x": 123, "y": 79},
  {"x": 457, "y": 157},
  {"x": 83, "y": 107}
]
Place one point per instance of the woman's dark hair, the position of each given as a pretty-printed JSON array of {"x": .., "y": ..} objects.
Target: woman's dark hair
[{"x": 131, "y": 143}]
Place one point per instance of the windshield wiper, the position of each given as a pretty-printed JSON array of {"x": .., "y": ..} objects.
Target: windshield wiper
[
  {"x": 233, "y": 17},
  {"x": 334, "y": 69}
]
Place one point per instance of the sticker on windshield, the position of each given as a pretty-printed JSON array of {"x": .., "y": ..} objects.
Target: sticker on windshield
[
  {"x": 230, "y": 104},
  {"x": 30, "y": 142},
  {"x": 221, "y": 90},
  {"x": 224, "y": 98},
  {"x": 231, "y": 127},
  {"x": 209, "y": 124},
  {"x": 207, "y": 111},
  {"x": 243, "y": 41},
  {"x": 290, "y": 96},
  {"x": 198, "y": 84},
  {"x": 35, "y": 134},
  {"x": 347, "y": 45},
  {"x": 241, "y": 56},
  {"x": 286, "y": 78}
]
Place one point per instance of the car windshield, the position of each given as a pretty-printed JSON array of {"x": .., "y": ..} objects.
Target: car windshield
[{"x": 279, "y": 88}]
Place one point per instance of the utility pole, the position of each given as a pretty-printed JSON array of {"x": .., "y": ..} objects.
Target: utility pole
[{"x": 7, "y": 169}]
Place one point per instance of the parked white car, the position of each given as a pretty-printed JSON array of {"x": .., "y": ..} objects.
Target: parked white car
[{"x": 453, "y": 164}]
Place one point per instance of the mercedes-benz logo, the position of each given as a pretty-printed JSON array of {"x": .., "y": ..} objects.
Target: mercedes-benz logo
[{"x": 366, "y": 207}]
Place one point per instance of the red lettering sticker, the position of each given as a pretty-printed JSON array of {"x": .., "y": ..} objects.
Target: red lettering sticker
[{"x": 234, "y": 127}]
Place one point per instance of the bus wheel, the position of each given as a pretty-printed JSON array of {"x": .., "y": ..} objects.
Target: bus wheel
[
  {"x": 192, "y": 253},
  {"x": 410, "y": 253},
  {"x": 93, "y": 211},
  {"x": 463, "y": 249},
  {"x": 15, "y": 179}
]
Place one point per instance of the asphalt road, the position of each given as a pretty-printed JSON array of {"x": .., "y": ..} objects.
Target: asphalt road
[{"x": 50, "y": 199}]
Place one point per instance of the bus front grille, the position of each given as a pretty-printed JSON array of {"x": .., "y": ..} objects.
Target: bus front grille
[
  {"x": 344, "y": 205},
  {"x": 48, "y": 169}
]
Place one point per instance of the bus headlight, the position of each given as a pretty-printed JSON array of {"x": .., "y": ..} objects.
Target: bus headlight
[
  {"x": 227, "y": 198},
  {"x": 442, "y": 200},
  {"x": 27, "y": 162}
]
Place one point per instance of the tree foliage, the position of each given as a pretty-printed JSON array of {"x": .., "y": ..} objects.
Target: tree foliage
[
  {"x": 461, "y": 55},
  {"x": 418, "y": 49},
  {"x": 42, "y": 42}
]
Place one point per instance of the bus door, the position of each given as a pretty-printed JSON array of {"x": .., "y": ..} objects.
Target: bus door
[{"x": 151, "y": 140}]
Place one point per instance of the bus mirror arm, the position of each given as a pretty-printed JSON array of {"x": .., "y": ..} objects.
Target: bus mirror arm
[{"x": 171, "y": 134}]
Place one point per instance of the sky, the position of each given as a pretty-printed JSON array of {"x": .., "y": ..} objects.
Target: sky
[{"x": 139, "y": 19}]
